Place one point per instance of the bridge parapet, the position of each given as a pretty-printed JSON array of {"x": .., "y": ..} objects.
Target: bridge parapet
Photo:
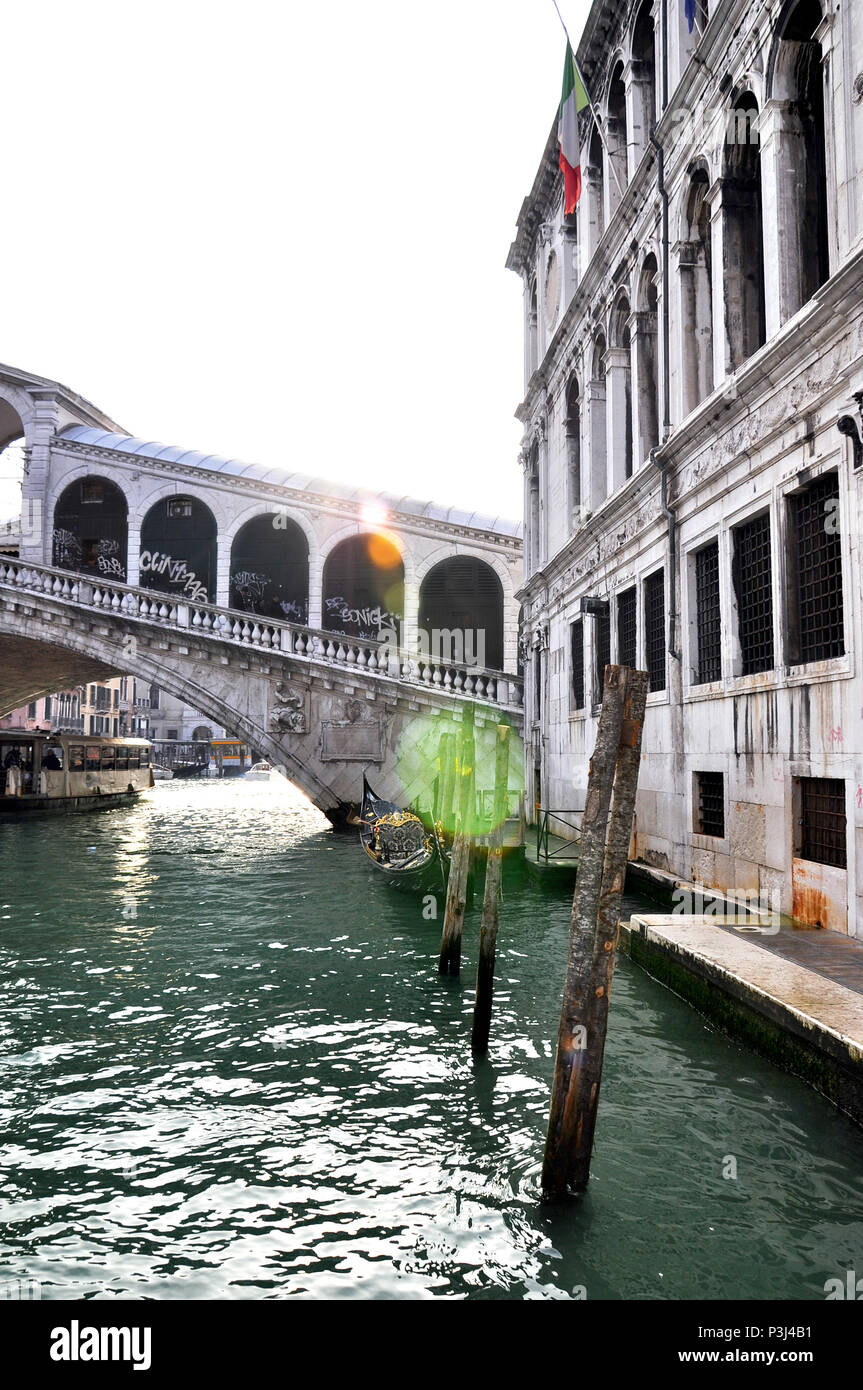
[{"x": 310, "y": 645}]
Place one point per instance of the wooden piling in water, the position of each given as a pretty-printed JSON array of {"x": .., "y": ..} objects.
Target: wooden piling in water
[
  {"x": 488, "y": 929},
  {"x": 456, "y": 893},
  {"x": 593, "y": 931}
]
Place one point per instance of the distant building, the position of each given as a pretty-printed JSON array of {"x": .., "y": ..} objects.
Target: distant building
[
  {"x": 117, "y": 707},
  {"x": 692, "y": 446},
  {"x": 171, "y": 719}
]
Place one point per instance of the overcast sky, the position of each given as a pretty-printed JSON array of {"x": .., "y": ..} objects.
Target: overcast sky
[{"x": 278, "y": 231}]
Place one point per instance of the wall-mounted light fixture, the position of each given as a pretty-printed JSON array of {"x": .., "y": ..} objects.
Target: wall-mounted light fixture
[{"x": 847, "y": 425}]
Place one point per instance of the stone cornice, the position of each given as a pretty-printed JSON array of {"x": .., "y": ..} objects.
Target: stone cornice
[{"x": 301, "y": 498}]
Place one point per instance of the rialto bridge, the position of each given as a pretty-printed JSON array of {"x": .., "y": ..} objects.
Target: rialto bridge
[{"x": 335, "y": 629}]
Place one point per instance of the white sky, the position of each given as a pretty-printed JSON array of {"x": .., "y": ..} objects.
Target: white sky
[{"x": 278, "y": 231}]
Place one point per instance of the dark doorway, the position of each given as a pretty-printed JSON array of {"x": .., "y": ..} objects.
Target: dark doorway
[{"x": 91, "y": 529}]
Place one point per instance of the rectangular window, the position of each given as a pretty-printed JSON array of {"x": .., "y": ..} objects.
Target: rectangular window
[
  {"x": 710, "y": 804},
  {"x": 92, "y": 490},
  {"x": 654, "y": 629},
  {"x": 815, "y": 619},
  {"x": 821, "y": 824},
  {"x": 134, "y": 759},
  {"x": 47, "y": 706},
  {"x": 76, "y": 757},
  {"x": 752, "y": 574},
  {"x": 145, "y": 757},
  {"x": 707, "y": 617},
  {"x": 94, "y": 757},
  {"x": 31, "y": 710},
  {"x": 179, "y": 506},
  {"x": 627, "y": 609},
  {"x": 109, "y": 759},
  {"x": 577, "y": 631},
  {"x": 601, "y": 651},
  {"x": 122, "y": 759}
]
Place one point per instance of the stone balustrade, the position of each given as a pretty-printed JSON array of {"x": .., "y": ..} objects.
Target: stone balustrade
[{"x": 382, "y": 659}]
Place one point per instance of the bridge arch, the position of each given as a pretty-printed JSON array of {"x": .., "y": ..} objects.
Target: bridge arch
[
  {"x": 90, "y": 527},
  {"x": 269, "y": 567},
  {"x": 463, "y": 594},
  {"x": 110, "y": 651},
  {"x": 179, "y": 547},
  {"x": 363, "y": 583}
]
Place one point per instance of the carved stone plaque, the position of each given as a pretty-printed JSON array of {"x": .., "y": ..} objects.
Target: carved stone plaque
[{"x": 357, "y": 742}]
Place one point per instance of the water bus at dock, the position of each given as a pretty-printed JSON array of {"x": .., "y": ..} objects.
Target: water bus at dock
[{"x": 70, "y": 772}]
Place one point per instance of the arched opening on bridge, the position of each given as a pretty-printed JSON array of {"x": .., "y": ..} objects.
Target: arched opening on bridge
[
  {"x": 91, "y": 529},
  {"x": 270, "y": 568},
  {"x": 178, "y": 549},
  {"x": 461, "y": 600},
  {"x": 202, "y": 733},
  {"x": 364, "y": 587}
]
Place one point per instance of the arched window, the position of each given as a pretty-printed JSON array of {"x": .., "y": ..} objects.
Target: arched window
[
  {"x": 178, "y": 549},
  {"x": 742, "y": 233},
  {"x": 572, "y": 428},
  {"x": 798, "y": 79},
  {"x": 696, "y": 294},
  {"x": 461, "y": 600},
  {"x": 364, "y": 587},
  {"x": 91, "y": 529},
  {"x": 644, "y": 76},
  {"x": 617, "y": 139},
  {"x": 270, "y": 568},
  {"x": 646, "y": 363}
]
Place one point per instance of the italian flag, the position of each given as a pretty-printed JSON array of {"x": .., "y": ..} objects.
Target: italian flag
[{"x": 573, "y": 99}]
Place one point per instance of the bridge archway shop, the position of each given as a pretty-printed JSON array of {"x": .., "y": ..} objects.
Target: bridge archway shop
[
  {"x": 178, "y": 549},
  {"x": 90, "y": 533},
  {"x": 364, "y": 587}
]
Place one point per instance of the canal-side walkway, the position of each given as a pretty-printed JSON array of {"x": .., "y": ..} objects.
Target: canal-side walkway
[{"x": 795, "y": 995}]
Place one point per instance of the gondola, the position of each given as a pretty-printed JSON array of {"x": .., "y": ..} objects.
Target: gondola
[{"x": 399, "y": 846}]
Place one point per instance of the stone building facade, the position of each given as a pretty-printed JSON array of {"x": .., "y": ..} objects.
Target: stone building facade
[{"x": 692, "y": 450}]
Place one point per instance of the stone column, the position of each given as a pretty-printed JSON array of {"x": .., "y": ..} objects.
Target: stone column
[
  {"x": 595, "y": 486},
  {"x": 717, "y": 241},
  {"x": 618, "y": 391},
  {"x": 316, "y": 588},
  {"x": 36, "y": 525},
  {"x": 640, "y": 115},
  {"x": 645, "y": 384},
  {"x": 782, "y": 158},
  {"x": 590, "y": 225}
]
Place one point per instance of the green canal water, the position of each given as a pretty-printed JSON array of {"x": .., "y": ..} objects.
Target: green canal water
[{"x": 229, "y": 1068}]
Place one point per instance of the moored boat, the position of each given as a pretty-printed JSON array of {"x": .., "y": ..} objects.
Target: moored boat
[
  {"x": 399, "y": 846},
  {"x": 259, "y": 772},
  {"x": 70, "y": 772}
]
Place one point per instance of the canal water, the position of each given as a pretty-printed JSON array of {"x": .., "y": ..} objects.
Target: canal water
[{"x": 229, "y": 1068}]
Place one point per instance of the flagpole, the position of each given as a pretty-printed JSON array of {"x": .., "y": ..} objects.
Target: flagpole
[{"x": 596, "y": 121}]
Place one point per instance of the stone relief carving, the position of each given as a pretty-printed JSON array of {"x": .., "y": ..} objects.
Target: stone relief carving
[{"x": 289, "y": 715}]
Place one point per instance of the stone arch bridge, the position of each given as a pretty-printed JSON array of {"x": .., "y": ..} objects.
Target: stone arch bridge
[{"x": 334, "y": 629}]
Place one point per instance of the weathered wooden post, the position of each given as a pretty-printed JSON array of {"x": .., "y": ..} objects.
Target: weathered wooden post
[
  {"x": 456, "y": 892},
  {"x": 593, "y": 932},
  {"x": 488, "y": 929}
]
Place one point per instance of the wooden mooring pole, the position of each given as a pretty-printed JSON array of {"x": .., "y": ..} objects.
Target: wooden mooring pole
[
  {"x": 593, "y": 931},
  {"x": 456, "y": 892},
  {"x": 488, "y": 929}
]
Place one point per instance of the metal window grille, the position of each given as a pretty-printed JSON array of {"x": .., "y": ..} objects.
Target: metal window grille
[
  {"x": 601, "y": 651},
  {"x": 753, "y": 585},
  {"x": 822, "y": 821},
  {"x": 707, "y": 614},
  {"x": 627, "y": 609},
  {"x": 654, "y": 629},
  {"x": 577, "y": 631},
  {"x": 710, "y": 810},
  {"x": 818, "y": 570}
]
